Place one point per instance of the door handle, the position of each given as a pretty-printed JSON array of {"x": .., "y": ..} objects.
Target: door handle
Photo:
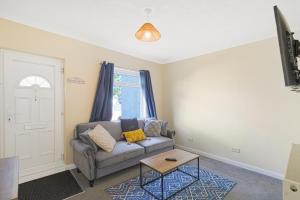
[{"x": 293, "y": 188}]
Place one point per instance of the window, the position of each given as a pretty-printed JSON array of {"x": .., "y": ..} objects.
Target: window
[
  {"x": 127, "y": 96},
  {"x": 30, "y": 81}
]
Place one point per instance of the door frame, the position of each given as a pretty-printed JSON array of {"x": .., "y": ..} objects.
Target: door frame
[
  {"x": 1, "y": 104},
  {"x": 58, "y": 65}
]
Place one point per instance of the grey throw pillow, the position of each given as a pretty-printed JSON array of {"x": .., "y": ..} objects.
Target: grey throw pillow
[
  {"x": 85, "y": 138},
  {"x": 164, "y": 125},
  {"x": 129, "y": 124},
  {"x": 152, "y": 128}
]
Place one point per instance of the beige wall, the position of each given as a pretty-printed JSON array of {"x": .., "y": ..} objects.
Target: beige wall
[
  {"x": 230, "y": 99},
  {"x": 234, "y": 99},
  {"x": 81, "y": 60}
]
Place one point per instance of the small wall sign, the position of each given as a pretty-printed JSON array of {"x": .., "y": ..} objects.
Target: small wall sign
[{"x": 76, "y": 80}]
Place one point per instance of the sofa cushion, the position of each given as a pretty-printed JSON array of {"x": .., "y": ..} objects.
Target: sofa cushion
[
  {"x": 113, "y": 127},
  {"x": 122, "y": 151},
  {"x": 155, "y": 143}
]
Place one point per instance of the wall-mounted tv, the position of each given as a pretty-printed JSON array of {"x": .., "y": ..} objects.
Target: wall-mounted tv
[{"x": 289, "y": 51}]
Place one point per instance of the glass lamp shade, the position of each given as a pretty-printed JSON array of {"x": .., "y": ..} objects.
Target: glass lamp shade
[{"x": 147, "y": 33}]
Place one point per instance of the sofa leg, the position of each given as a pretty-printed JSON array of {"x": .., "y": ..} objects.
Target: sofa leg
[
  {"x": 78, "y": 170},
  {"x": 92, "y": 183}
]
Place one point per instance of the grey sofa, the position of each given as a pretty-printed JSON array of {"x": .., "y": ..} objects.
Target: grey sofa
[{"x": 98, "y": 164}]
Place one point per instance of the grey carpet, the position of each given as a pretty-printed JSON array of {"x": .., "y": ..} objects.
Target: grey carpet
[{"x": 250, "y": 185}]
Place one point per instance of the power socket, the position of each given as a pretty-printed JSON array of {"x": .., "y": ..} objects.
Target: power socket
[{"x": 236, "y": 150}]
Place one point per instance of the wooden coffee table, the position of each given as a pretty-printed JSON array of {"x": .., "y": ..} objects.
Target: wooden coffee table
[{"x": 163, "y": 167}]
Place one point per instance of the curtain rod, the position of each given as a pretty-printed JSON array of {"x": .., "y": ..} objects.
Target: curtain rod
[{"x": 122, "y": 68}]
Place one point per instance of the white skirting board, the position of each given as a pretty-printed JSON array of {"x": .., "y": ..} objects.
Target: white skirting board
[
  {"x": 235, "y": 163},
  {"x": 41, "y": 174},
  {"x": 70, "y": 166},
  {"x": 46, "y": 173}
]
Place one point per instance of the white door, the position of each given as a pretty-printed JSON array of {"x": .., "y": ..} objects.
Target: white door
[{"x": 33, "y": 113}]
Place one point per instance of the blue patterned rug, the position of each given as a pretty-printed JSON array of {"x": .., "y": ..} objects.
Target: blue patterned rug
[{"x": 209, "y": 187}]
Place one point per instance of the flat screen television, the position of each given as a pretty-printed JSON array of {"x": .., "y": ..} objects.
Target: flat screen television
[{"x": 289, "y": 51}]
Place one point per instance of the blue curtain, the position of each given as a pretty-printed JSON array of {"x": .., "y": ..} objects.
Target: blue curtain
[
  {"x": 102, "y": 107},
  {"x": 148, "y": 93}
]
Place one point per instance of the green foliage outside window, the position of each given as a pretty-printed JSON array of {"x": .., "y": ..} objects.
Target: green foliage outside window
[{"x": 117, "y": 89}]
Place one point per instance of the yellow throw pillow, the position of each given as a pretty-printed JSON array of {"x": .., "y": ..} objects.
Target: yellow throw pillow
[{"x": 134, "y": 136}]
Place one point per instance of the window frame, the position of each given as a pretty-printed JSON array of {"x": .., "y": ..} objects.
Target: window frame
[
  {"x": 45, "y": 80},
  {"x": 121, "y": 71}
]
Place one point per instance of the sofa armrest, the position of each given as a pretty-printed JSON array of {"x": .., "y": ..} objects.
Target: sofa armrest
[
  {"x": 84, "y": 158},
  {"x": 81, "y": 147},
  {"x": 171, "y": 134}
]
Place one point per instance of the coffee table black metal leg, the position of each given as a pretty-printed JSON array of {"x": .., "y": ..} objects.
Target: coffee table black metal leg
[
  {"x": 198, "y": 160},
  {"x": 162, "y": 186},
  {"x": 161, "y": 177},
  {"x": 141, "y": 176}
]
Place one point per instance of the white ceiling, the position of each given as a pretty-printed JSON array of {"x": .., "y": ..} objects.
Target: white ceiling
[{"x": 188, "y": 27}]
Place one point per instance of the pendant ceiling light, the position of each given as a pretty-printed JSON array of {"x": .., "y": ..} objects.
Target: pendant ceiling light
[{"x": 147, "y": 32}]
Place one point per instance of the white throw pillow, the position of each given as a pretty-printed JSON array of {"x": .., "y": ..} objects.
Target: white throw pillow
[{"x": 102, "y": 138}]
